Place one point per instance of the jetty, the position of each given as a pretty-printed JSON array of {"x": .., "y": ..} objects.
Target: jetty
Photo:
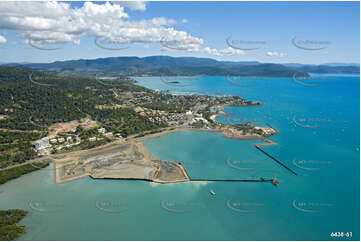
[
  {"x": 278, "y": 162},
  {"x": 274, "y": 181}
]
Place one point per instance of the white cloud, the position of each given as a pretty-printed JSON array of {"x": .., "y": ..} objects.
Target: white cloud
[
  {"x": 276, "y": 54},
  {"x": 132, "y": 5},
  {"x": 223, "y": 52},
  {"x": 53, "y": 22},
  {"x": 2, "y": 39}
]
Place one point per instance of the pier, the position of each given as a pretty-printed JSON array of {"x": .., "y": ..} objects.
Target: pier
[
  {"x": 280, "y": 163},
  {"x": 274, "y": 181}
]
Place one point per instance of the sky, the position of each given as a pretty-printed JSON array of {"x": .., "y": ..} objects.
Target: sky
[{"x": 271, "y": 32}]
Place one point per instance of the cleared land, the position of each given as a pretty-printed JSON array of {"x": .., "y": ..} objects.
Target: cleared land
[{"x": 127, "y": 160}]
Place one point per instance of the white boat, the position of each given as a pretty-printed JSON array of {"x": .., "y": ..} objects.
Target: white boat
[{"x": 212, "y": 192}]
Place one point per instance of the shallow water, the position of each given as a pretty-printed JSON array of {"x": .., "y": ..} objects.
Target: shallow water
[{"x": 322, "y": 198}]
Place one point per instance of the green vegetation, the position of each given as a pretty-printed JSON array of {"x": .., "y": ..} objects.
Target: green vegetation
[
  {"x": 16, "y": 147},
  {"x": 15, "y": 172},
  {"x": 165, "y": 66},
  {"x": 32, "y": 106},
  {"x": 9, "y": 229},
  {"x": 32, "y": 101}
]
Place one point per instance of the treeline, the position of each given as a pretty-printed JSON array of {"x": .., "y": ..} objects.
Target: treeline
[
  {"x": 30, "y": 106},
  {"x": 125, "y": 121},
  {"x": 16, "y": 147},
  {"x": 9, "y": 229},
  {"x": 15, "y": 172}
]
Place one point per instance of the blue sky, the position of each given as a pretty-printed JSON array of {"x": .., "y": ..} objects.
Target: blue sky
[{"x": 267, "y": 26}]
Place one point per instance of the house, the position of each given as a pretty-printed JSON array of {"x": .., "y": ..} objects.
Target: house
[
  {"x": 61, "y": 140},
  {"x": 42, "y": 143},
  {"x": 69, "y": 139},
  {"x": 92, "y": 139},
  {"x": 53, "y": 141},
  {"x": 138, "y": 109},
  {"x": 42, "y": 146},
  {"x": 108, "y": 135},
  {"x": 101, "y": 130}
]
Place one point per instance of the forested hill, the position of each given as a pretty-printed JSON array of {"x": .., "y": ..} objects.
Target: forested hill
[
  {"x": 34, "y": 100},
  {"x": 163, "y": 65}
]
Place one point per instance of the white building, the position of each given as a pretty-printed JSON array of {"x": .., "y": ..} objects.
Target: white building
[
  {"x": 61, "y": 140},
  {"x": 69, "y": 139},
  {"x": 42, "y": 144},
  {"x": 92, "y": 139},
  {"x": 53, "y": 141},
  {"x": 101, "y": 130}
]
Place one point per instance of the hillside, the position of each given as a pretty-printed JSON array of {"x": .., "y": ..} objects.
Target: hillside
[{"x": 163, "y": 65}]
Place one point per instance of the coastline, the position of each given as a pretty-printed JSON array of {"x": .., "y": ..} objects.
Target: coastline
[{"x": 137, "y": 146}]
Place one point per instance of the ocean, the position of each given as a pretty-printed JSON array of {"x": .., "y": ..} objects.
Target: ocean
[{"x": 318, "y": 122}]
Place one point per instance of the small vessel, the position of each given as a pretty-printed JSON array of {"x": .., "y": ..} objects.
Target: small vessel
[
  {"x": 275, "y": 182},
  {"x": 212, "y": 192}
]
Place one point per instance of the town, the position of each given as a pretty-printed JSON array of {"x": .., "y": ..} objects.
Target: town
[{"x": 159, "y": 107}]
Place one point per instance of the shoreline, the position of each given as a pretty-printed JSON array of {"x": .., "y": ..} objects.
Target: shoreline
[{"x": 136, "y": 142}]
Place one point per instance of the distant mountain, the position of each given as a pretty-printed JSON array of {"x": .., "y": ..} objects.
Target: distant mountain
[
  {"x": 173, "y": 66},
  {"x": 350, "y": 68},
  {"x": 13, "y": 63},
  {"x": 162, "y": 65},
  {"x": 342, "y": 64}
]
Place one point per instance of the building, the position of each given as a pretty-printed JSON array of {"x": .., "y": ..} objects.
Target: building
[
  {"x": 69, "y": 139},
  {"x": 42, "y": 146},
  {"x": 92, "y": 139},
  {"x": 61, "y": 140},
  {"x": 108, "y": 135},
  {"x": 53, "y": 141},
  {"x": 101, "y": 130},
  {"x": 138, "y": 109}
]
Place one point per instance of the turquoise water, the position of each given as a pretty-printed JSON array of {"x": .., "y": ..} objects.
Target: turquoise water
[{"x": 323, "y": 198}]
